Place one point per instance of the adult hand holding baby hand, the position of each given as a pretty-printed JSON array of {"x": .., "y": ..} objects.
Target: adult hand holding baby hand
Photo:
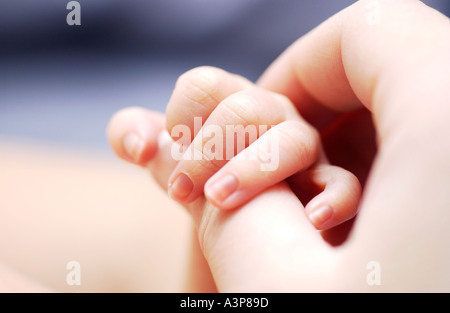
[{"x": 396, "y": 66}]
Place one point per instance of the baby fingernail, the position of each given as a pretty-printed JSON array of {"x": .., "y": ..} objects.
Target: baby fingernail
[
  {"x": 181, "y": 188},
  {"x": 219, "y": 190},
  {"x": 320, "y": 215},
  {"x": 133, "y": 146}
]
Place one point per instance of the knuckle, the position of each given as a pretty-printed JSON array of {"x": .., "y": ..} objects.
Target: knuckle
[
  {"x": 302, "y": 140},
  {"x": 196, "y": 92},
  {"x": 243, "y": 107},
  {"x": 199, "y": 85}
]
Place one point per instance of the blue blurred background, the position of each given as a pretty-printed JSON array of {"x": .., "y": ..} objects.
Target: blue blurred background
[{"x": 62, "y": 83}]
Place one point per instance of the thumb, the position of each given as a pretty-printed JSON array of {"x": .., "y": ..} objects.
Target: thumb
[{"x": 137, "y": 136}]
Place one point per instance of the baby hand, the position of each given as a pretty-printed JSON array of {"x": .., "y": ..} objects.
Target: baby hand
[{"x": 240, "y": 139}]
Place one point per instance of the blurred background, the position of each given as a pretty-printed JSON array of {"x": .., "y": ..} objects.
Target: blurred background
[
  {"x": 61, "y": 83},
  {"x": 63, "y": 195}
]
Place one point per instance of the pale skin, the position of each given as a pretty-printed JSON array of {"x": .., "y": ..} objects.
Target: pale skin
[
  {"x": 224, "y": 100},
  {"x": 397, "y": 69}
]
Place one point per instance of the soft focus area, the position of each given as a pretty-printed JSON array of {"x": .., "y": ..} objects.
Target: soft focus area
[
  {"x": 63, "y": 194},
  {"x": 61, "y": 83}
]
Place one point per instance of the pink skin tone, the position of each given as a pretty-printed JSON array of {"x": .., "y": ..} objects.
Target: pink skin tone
[
  {"x": 222, "y": 99},
  {"x": 401, "y": 78},
  {"x": 346, "y": 64}
]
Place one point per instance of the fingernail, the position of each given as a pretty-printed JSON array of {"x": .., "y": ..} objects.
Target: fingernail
[
  {"x": 320, "y": 215},
  {"x": 181, "y": 188},
  {"x": 133, "y": 146},
  {"x": 219, "y": 190}
]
